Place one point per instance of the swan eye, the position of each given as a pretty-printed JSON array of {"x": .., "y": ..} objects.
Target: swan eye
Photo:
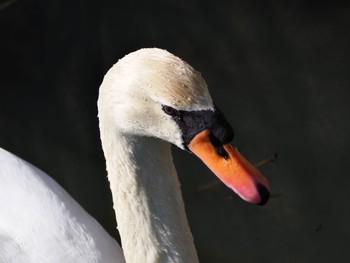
[{"x": 169, "y": 110}]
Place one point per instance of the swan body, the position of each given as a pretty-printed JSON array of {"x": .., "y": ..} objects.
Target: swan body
[
  {"x": 40, "y": 222},
  {"x": 148, "y": 100}
]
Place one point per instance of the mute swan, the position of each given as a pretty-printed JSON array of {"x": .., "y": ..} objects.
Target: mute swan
[{"x": 148, "y": 99}]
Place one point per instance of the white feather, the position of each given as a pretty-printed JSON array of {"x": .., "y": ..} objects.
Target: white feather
[{"x": 40, "y": 222}]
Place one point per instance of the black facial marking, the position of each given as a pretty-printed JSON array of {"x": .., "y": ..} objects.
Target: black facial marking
[{"x": 193, "y": 122}]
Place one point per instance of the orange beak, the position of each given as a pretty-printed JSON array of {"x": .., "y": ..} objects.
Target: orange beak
[{"x": 231, "y": 168}]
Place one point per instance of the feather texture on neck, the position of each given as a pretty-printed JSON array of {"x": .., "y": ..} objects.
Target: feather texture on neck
[{"x": 147, "y": 198}]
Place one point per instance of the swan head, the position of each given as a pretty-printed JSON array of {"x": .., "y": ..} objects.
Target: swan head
[{"x": 153, "y": 93}]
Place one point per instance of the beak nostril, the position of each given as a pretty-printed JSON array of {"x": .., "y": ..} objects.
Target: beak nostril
[
  {"x": 218, "y": 146},
  {"x": 264, "y": 194},
  {"x": 222, "y": 152}
]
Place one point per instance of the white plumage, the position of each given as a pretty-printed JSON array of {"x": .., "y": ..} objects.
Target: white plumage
[{"x": 40, "y": 222}]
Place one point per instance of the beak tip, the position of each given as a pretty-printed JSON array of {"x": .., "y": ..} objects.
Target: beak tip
[{"x": 264, "y": 194}]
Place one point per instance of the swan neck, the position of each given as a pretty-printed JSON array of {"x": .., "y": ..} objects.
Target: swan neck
[{"x": 147, "y": 199}]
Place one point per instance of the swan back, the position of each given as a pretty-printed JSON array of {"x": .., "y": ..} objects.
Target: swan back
[{"x": 41, "y": 222}]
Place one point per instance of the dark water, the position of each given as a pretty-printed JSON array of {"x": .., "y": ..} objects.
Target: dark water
[{"x": 279, "y": 72}]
